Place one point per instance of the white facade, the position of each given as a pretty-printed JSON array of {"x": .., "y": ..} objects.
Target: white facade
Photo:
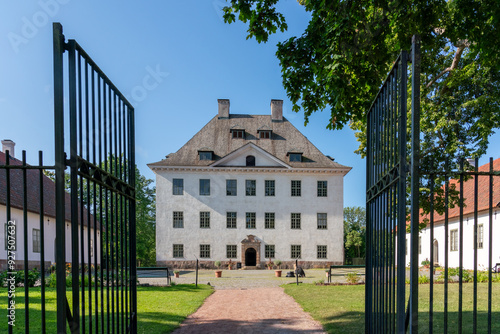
[
  {"x": 34, "y": 253},
  {"x": 305, "y": 224},
  {"x": 468, "y": 242}
]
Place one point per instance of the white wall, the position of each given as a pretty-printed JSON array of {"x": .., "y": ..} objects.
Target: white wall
[
  {"x": 468, "y": 242},
  {"x": 283, "y": 204},
  {"x": 49, "y": 240}
]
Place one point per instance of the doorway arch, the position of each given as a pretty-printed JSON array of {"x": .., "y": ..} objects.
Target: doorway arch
[{"x": 250, "y": 257}]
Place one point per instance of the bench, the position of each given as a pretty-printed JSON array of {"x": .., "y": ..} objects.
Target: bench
[
  {"x": 154, "y": 272},
  {"x": 343, "y": 273}
]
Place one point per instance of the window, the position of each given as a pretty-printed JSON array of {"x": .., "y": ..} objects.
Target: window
[
  {"x": 269, "y": 251},
  {"x": 295, "y": 157},
  {"x": 231, "y": 251},
  {"x": 10, "y": 233},
  {"x": 295, "y": 221},
  {"x": 204, "y": 187},
  {"x": 250, "y": 187},
  {"x": 238, "y": 134},
  {"x": 231, "y": 219},
  {"x": 204, "y": 251},
  {"x": 321, "y": 250},
  {"x": 250, "y": 160},
  {"x": 178, "y": 218},
  {"x": 454, "y": 240},
  {"x": 296, "y": 185},
  {"x": 322, "y": 188},
  {"x": 231, "y": 187},
  {"x": 269, "y": 188},
  {"x": 480, "y": 231},
  {"x": 250, "y": 219},
  {"x": 179, "y": 251},
  {"x": 296, "y": 253},
  {"x": 204, "y": 219},
  {"x": 178, "y": 186},
  {"x": 265, "y": 134},
  {"x": 36, "y": 241},
  {"x": 205, "y": 155},
  {"x": 322, "y": 221},
  {"x": 269, "y": 220}
]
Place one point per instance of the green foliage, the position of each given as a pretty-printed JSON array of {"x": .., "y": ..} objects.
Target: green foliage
[
  {"x": 352, "y": 278},
  {"x": 426, "y": 262},
  {"x": 345, "y": 53},
  {"x": 33, "y": 276},
  {"x": 354, "y": 232},
  {"x": 278, "y": 263},
  {"x": 217, "y": 263},
  {"x": 423, "y": 279}
]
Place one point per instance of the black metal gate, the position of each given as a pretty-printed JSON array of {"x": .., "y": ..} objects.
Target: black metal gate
[
  {"x": 101, "y": 185},
  {"x": 90, "y": 248},
  {"x": 394, "y": 238},
  {"x": 386, "y": 207}
]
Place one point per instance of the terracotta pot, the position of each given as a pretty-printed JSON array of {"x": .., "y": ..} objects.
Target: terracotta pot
[
  {"x": 327, "y": 274},
  {"x": 277, "y": 273},
  {"x": 176, "y": 275},
  {"x": 218, "y": 273}
]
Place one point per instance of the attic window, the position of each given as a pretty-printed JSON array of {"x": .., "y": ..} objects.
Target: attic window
[
  {"x": 250, "y": 160},
  {"x": 238, "y": 133},
  {"x": 295, "y": 155},
  {"x": 265, "y": 134},
  {"x": 205, "y": 155}
]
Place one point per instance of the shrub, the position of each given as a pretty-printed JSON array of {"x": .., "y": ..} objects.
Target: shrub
[
  {"x": 278, "y": 263},
  {"x": 217, "y": 263},
  {"x": 426, "y": 262},
  {"x": 423, "y": 279},
  {"x": 352, "y": 278}
]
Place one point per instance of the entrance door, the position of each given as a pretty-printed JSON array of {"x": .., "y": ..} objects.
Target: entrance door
[
  {"x": 250, "y": 257},
  {"x": 435, "y": 260}
]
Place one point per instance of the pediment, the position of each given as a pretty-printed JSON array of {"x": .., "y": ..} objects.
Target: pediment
[
  {"x": 250, "y": 239},
  {"x": 238, "y": 157}
]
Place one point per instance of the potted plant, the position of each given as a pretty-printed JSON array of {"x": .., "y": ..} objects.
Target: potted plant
[
  {"x": 269, "y": 264},
  {"x": 218, "y": 273},
  {"x": 176, "y": 273},
  {"x": 327, "y": 271},
  {"x": 229, "y": 264},
  {"x": 277, "y": 273}
]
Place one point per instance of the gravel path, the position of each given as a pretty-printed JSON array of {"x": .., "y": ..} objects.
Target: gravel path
[{"x": 258, "y": 310}]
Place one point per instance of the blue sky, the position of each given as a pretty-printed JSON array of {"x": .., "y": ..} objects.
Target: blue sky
[{"x": 198, "y": 56}]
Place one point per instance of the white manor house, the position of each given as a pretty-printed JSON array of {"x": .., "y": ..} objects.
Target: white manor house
[{"x": 249, "y": 188}]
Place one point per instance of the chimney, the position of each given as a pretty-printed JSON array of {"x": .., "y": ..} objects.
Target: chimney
[
  {"x": 277, "y": 110},
  {"x": 223, "y": 108},
  {"x": 8, "y": 145}
]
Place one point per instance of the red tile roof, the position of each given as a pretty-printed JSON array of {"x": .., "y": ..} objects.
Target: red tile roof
[
  {"x": 483, "y": 193},
  {"x": 33, "y": 191}
]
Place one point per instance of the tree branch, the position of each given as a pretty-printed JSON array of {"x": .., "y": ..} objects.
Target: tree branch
[{"x": 461, "y": 45}]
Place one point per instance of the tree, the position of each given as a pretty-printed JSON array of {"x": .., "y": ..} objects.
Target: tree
[
  {"x": 349, "y": 46},
  {"x": 354, "y": 232}
]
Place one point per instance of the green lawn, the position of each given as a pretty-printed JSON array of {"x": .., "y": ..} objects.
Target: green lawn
[
  {"x": 340, "y": 309},
  {"x": 160, "y": 309}
]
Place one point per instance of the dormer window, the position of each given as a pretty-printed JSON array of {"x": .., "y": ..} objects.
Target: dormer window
[
  {"x": 238, "y": 133},
  {"x": 205, "y": 154},
  {"x": 265, "y": 132},
  {"x": 295, "y": 155}
]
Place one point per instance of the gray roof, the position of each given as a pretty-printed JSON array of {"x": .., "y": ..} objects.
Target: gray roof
[{"x": 216, "y": 134}]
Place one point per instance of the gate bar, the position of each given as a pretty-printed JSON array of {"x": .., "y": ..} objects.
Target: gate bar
[{"x": 415, "y": 179}]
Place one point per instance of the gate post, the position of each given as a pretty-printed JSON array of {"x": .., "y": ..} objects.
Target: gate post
[
  {"x": 60, "y": 165},
  {"x": 415, "y": 180}
]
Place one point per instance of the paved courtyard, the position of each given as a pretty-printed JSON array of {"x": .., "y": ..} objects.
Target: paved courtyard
[{"x": 249, "y": 301}]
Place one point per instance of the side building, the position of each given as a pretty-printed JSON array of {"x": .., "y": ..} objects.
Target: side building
[{"x": 249, "y": 189}]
